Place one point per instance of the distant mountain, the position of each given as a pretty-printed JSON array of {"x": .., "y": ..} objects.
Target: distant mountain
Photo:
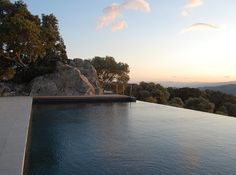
[
  {"x": 194, "y": 84},
  {"x": 228, "y": 88}
]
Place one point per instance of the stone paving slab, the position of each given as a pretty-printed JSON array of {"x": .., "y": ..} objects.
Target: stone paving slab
[{"x": 14, "y": 122}]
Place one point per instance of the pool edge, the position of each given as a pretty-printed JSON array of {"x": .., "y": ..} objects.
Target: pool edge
[{"x": 83, "y": 99}]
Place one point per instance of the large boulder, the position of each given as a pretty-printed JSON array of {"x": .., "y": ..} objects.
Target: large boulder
[
  {"x": 78, "y": 77},
  {"x": 87, "y": 69}
]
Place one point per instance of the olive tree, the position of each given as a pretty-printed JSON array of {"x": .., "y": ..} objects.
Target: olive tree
[{"x": 109, "y": 70}]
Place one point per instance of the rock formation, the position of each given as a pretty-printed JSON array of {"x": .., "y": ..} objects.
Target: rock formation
[
  {"x": 77, "y": 77},
  {"x": 10, "y": 89},
  {"x": 88, "y": 71}
]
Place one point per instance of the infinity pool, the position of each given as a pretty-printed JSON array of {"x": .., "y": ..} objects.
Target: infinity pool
[{"x": 129, "y": 139}]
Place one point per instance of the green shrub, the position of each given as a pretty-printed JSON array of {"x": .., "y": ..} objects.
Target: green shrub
[{"x": 200, "y": 104}]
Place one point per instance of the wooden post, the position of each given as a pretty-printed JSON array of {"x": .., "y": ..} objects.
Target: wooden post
[
  {"x": 116, "y": 88},
  {"x": 123, "y": 89},
  {"x": 131, "y": 88}
]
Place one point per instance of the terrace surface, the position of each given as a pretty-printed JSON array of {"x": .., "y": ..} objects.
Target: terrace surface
[{"x": 14, "y": 122}]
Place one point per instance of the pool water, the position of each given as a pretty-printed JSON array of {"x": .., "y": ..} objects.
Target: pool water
[{"x": 129, "y": 139}]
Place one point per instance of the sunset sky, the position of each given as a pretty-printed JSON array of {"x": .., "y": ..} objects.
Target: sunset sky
[{"x": 170, "y": 40}]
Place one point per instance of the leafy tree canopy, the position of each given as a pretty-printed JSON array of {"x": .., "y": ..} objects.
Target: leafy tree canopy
[
  {"x": 144, "y": 91},
  {"x": 185, "y": 93},
  {"x": 25, "y": 38},
  {"x": 177, "y": 102},
  {"x": 109, "y": 70},
  {"x": 200, "y": 104}
]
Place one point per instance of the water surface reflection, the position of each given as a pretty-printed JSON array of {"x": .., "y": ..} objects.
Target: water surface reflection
[{"x": 130, "y": 138}]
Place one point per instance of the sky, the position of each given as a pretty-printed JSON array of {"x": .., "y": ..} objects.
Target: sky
[{"x": 161, "y": 40}]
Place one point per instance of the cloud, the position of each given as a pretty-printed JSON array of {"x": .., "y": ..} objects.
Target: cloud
[
  {"x": 118, "y": 25},
  {"x": 114, "y": 11},
  {"x": 136, "y": 5},
  {"x": 200, "y": 27},
  {"x": 110, "y": 14},
  {"x": 194, "y": 3},
  {"x": 190, "y": 5}
]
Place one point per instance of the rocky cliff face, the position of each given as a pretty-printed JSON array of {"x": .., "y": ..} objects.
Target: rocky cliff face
[
  {"x": 88, "y": 71},
  {"x": 78, "y": 77}
]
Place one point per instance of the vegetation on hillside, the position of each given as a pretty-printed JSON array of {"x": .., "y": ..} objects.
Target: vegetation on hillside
[
  {"x": 227, "y": 88},
  {"x": 113, "y": 75},
  {"x": 29, "y": 45},
  {"x": 190, "y": 98}
]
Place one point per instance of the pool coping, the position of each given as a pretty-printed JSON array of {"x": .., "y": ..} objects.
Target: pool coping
[
  {"x": 83, "y": 99},
  {"x": 22, "y": 106}
]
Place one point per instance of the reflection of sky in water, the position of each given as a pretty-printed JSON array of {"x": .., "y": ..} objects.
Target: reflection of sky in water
[{"x": 130, "y": 138}]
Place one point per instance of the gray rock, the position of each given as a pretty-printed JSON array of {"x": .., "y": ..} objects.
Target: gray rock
[
  {"x": 88, "y": 71},
  {"x": 77, "y": 77},
  {"x": 11, "y": 89},
  {"x": 68, "y": 80}
]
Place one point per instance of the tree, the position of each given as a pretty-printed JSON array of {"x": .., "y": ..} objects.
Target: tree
[
  {"x": 162, "y": 95},
  {"x": 200, "y": 104},
  {"x": 54, "y": 47},
  {"x": 177, "y": 102},
  {"x": 144, "y": 94},
  {"x": 220, "y": 98},
  {"x": 149, "y": 91},
  {"x": 222, "y": 110},
  {"x": 20, "y": 42},
  {"x": 185, "y": 93},
  {"x": 150, "y": 100},
  {"x": 109, "y": 70},
  {"x": 29, "y": 46},
  {"x": 231, "y": 108}
]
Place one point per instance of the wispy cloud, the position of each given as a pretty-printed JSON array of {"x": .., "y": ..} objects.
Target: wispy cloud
[
  {"x": 110, "y": 14},
  {"x": 200, "y": 27},
  {"x": 190, "y": 5},
  {"x": 114, "y": 11},
  {"x": 118, "y": 25},
  {"x": 136, "y": 5}
]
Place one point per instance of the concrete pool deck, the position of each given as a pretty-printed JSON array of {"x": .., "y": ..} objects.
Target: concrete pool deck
[{"x": 15, "y": 115}]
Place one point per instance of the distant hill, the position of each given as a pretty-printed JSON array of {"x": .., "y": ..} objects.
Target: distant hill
[
  {"x": 228, "y": 88},
  {"x": 194, "y": 84}
]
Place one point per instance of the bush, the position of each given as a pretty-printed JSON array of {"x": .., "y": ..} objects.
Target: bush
[
  {"x": 7, "y": 74},
  {"x": 177, "y": 102},
  {"x": 222, "y": 110},
  {"x": 231, "y": 108},
  {"x": 200, "y": 104},
  {"x": 151, "y": 99}
]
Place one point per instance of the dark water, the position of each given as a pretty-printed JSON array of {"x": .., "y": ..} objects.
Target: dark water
[{"x": 130, "y": 139}]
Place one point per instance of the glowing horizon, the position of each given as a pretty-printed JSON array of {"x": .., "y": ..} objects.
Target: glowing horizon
[{"x": 181, "y": 41}]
